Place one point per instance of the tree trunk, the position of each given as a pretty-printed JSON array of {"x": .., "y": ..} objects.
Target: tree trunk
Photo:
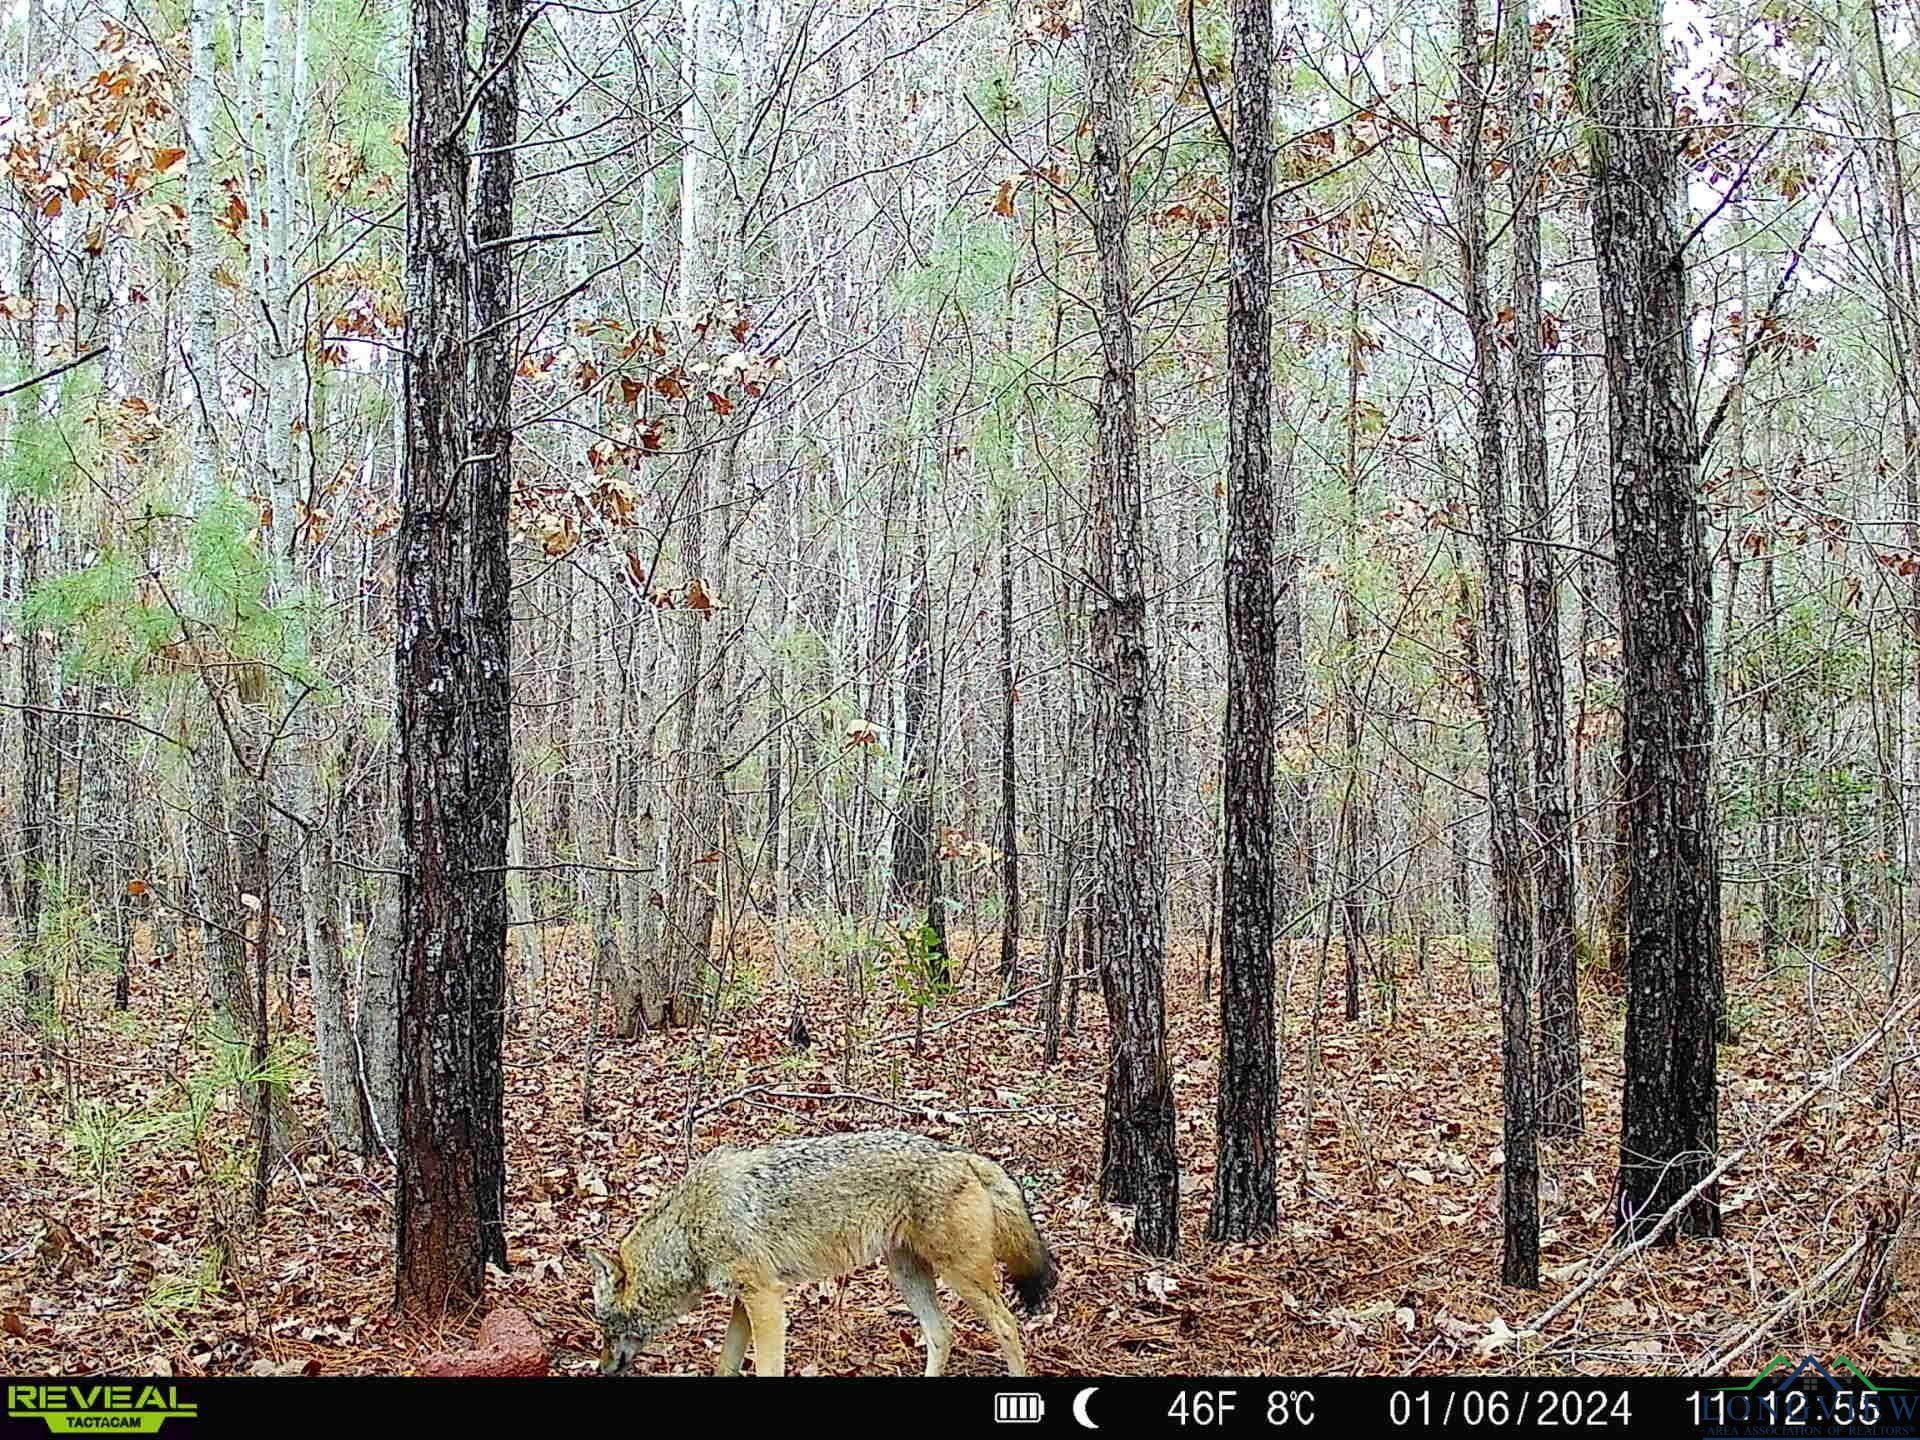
[
  {"x": 524, "y": 998},
  {"x": 914, "y": 881},
  {"x": 376, "y": 1020},
  {"x": 686, "y": 936},
  {"x": 36, "y": 687},
  {"x": 202, "y": 317},
  {"x": 1009, "y": 768},
  {"x": 1596, "y": 740},
  {"x": 1247, "y": 1114},
  {"x": 1294, "y": 877},
  {"x": 1902, "y": 303},
  {"x": 1138, "y": 1164},
  {"x": 1506, "y": 830},
  {"x": 1350, "y": 843},
  {"x": 454, "y": 671},
  {"x": 1069, "y": 815},
  {"x": 37, "y": 771},
  {"x": 1562, "y": 1110},
  {"x": 1669, "y": 1120},
  {"x": 320, "y": 928}
]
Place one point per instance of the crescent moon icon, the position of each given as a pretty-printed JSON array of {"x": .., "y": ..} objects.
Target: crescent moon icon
[{"x": 1080, "y": 1407}]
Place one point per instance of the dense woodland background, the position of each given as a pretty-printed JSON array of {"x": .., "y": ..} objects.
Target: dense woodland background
[{"x": 1303, "y": 623}]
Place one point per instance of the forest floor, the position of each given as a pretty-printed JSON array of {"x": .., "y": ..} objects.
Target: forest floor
[{"x": 1386, "y": 1262}]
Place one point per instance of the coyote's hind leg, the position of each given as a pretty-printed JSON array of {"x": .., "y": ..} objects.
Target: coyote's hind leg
[{"x": 915, "y": 1282}]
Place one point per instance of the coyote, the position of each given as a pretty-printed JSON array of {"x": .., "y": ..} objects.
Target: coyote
[{"x": 750, "y": 1223}]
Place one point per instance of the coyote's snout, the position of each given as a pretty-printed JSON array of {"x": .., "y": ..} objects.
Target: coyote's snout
[{"x": 751, "y": 1223}]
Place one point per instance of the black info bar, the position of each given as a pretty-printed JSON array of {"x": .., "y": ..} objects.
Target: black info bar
[{"x": 1791, "y": 1398}]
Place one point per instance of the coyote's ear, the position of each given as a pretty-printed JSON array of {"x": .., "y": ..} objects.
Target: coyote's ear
[{"x": 606, "y": 1267}]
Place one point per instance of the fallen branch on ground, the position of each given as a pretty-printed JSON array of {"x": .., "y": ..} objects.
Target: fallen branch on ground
[
  {"x": 1865, "y": 1046},
  {"x": 1718, "y": 1364}
]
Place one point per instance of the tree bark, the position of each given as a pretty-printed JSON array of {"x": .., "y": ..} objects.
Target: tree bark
[
  {"x": 1010, "y": 917},
  {"x": 376, "y": 1020},
  {"x": 1247, "y": 1113},
  {"x": 669, "y": 988},
  {"x": 1596, "y": 753},
  {"x": 320, "y": 929},
  {"x": 1350, "y": 842},
  {"x": 454, "y": 671},
  {"x": 915, "y": 881},
  {"x": 1669, "y": 1121},
  {"x": 1138, "y": 1164},
  {"x": 1562, "y": 1109},
  {"x": 31, "y": 528},
  {"x": 1902, "y": 303},
  {"x": 1513, "y": 926},
  {"x": 37, "y": 772}
]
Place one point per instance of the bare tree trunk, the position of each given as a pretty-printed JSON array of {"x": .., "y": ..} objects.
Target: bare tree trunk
[
  {"x": 200, "y": 354},
  {"x": 1294, "y": 876},
  {"x": 1247, "y": 1114},
  {"x": 36, "y": 688},
  {"x": 320, "y": 930},
  {"x": 36, "y": 774},
  {"x": 454, "y": 667},
  {"x": 1010, "y": 916},
  {"x": 916, "y": 877},
  {"x": 523, "y": 988},
  {"x": 1350, "y": 842},
  {"x": 1596, "y": 742},
  {"x": 694, "y": 822},
  {"x": 376, "y": 1020},
  {"x": 1562, "y": 1108},
  {"x": 1513, "y": 926},
  {"x": 1902, "y": 302},
  {"x": 1669, "y": 1123},
  {"x": 1069, "y": 817},
  {"x": 1138, "y": 1164}
]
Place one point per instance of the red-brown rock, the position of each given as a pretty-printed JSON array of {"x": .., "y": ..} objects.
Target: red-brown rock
[{"x": 508, "y": 1345}]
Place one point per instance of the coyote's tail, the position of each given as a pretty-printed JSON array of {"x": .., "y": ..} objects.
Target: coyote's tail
[{"x": 1017, "y": 1243}]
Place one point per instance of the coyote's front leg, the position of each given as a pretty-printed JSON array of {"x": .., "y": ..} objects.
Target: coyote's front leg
[{"x": 767, "y": 1310}]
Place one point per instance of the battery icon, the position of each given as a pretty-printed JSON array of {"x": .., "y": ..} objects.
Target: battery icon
[{"x": 1018, "y": 1407}]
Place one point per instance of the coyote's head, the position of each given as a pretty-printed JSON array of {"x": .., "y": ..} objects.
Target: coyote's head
[
  {"x": 625, "y": 1327},
  {"x": 640, "y": 1289}
]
